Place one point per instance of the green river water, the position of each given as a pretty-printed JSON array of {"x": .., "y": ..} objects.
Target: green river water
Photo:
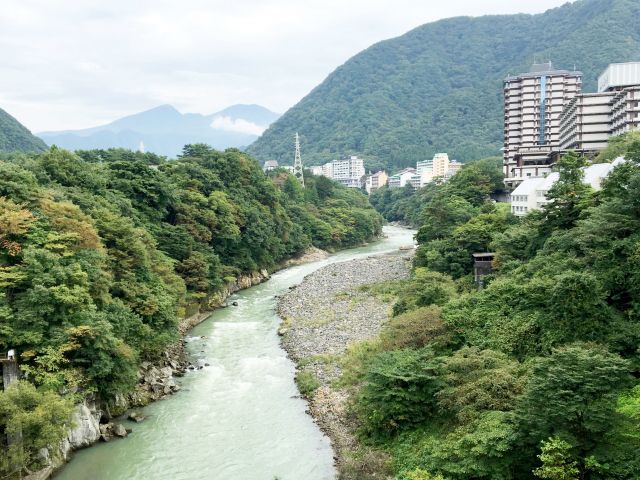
[{"x": 241, "y": 417}]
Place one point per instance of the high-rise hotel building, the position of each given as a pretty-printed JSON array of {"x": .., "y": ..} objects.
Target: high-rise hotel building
[{"x": 533, "y": 103}]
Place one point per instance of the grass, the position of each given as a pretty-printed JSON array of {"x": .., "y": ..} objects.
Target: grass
[{"x": 307, "y": 383}]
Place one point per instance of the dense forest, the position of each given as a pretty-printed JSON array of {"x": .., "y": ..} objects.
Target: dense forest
[
  {"x": 536, "y": 374},
  {"x": 438, "y": 88},
  {"x": 14, "y": 137},
  {"x": 102, "y": 252}
]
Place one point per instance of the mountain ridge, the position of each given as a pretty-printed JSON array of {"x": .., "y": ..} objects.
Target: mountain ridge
[
  {"x": 165, "y": 130},
  {"x": 438, "y": 87},
  {"x": 15, "y": 137}
]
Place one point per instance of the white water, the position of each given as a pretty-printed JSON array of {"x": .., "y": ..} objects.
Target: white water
[{"x": 238, "y": 419}]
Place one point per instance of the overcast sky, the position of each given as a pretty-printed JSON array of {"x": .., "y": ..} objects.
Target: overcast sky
[{"x": 74, "y": 64}]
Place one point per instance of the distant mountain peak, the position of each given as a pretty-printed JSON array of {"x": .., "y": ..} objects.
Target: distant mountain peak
[{"x": 164, "y": 130}]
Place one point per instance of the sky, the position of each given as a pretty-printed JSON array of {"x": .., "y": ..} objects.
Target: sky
[{"x": 67, "y": 64}]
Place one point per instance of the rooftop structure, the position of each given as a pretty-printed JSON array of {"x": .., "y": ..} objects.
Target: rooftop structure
[
  {"x": 618, "y": 76},
  {"x": 270, "y": 165},
  {"x": 531, "y": 194},
  {"x": 401, "y": 178}
]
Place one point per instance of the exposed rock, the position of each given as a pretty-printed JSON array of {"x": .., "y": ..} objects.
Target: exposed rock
[
  {"x": 119, "y": 430},
  {"x": 136, "y": 416},
  {"x": 85, "y": 430}
]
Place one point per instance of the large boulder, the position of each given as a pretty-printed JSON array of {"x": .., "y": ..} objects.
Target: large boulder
[{"x": 85, "y": 429}]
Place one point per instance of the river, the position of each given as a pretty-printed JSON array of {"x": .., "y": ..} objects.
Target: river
[{"x": 240, "y": 418}]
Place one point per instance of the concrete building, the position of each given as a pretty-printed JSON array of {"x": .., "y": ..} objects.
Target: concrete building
[
  {"x": 327, "y": 170},
  {"x": 533, "y": 103},
  {"x": 400, "y": 179},
  {"x": 348, "y": 171},
  {"x": 585, "y": 122},
  {"x": 376, "y": 180},
  {"x": 428, "y": 170},
  {"x": 531, "y": 194},
  {"x": 316, "y": 170},
  {"x": 625, "y": 110},
  {"x": 454, "y": 167},
  {"x": 618, "y": 76},
  {"x": 270, "y": 165},
  {"x": 590, "y": 119}
]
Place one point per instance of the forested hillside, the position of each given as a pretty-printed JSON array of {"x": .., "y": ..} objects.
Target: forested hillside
[
  {"x": 102, "y": 252},
  {"x": 439, "y": 87},
  {"x": 14, "y": 137},
  {"x": 536, "y": 374}
]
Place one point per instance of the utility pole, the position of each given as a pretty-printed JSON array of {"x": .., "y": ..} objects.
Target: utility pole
[{"x": 297, "y": 163}]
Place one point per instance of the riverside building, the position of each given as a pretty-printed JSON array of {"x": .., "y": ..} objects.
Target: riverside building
[{"x": 533, "y": 103}]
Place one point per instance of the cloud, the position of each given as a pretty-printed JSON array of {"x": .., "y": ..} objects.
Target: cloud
[
  {"x": 238, "y": 125},
  {"x": 68, "y": 65}
]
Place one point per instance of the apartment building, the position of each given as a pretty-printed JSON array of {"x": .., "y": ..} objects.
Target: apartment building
[
  {"x": 376, "y": 180},
  {"x": 400, "y": 179},
  {"x": 428, "y": 170},
  {"x": 590, "y": 119},
  {"x": 348, "y": 171},
  {"x": 533, "y": 104},
  {"x": 585, "y": 122}
]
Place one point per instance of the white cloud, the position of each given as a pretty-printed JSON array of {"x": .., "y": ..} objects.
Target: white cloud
[
  {"x": 72, "y": 64},
  {"x": 239, "y": 125}
]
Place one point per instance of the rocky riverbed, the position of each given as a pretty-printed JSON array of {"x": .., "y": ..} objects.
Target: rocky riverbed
[{"x": 324, "y": 315}]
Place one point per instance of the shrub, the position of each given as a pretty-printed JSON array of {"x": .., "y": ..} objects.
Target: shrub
[{"x": 414, "y": 329}]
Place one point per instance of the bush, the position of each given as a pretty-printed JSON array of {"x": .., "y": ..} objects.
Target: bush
[
  {"x": 399, "y": 392},
  {"x": 414, "y": 329}
]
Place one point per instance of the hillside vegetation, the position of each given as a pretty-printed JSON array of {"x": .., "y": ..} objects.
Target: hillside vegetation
[
  {"x": 438, "y": 88},
  {"x": 102, "y": 252},
  {"x": 14, "y": 137},
  {"x": 536, "y": 374}
]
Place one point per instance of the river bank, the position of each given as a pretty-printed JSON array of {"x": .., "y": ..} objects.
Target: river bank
[
  {"x": 241, "y": 416},
  {"x": 94, "y": 422},
  {"x": 322, "y": 316}
]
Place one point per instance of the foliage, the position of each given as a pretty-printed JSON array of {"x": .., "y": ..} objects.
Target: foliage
[
  {"x": 398, "y": 392},
  {"x": 101, "y": 253},
  {"x": 557, "y": 461},
  {"x": 307, "y": 383},
  {"x": 535, "y": 374},
  {"x": 32, "y": 419}
]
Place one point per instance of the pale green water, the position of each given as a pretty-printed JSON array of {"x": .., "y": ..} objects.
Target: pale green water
[{"x": 238, "y": 419}]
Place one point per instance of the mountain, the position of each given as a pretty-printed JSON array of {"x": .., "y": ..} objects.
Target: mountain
[
  {"x": 164, "y": 130},
  {"x": 439, "y": 86},
  {"x": 15, "y": 137}
]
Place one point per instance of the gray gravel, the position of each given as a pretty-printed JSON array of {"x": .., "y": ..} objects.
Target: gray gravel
[{"x": 322, "y": 316}]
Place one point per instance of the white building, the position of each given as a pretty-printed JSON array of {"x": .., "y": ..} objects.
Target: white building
[
  {"x": 400, "y": 179},
  {"x": 348, "y": 171},
  {"x": 590, "y": 119},
  {"x": 316, "y": 170},
  {"x": 618, "y": 76},
  {"x": 428, "y": 170},
  {"x": 454, "y": 167},
  {"x": 533, "y": 103},
  {"x": 270, "y": 165},
  {"x": 531, "y": 194}
]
